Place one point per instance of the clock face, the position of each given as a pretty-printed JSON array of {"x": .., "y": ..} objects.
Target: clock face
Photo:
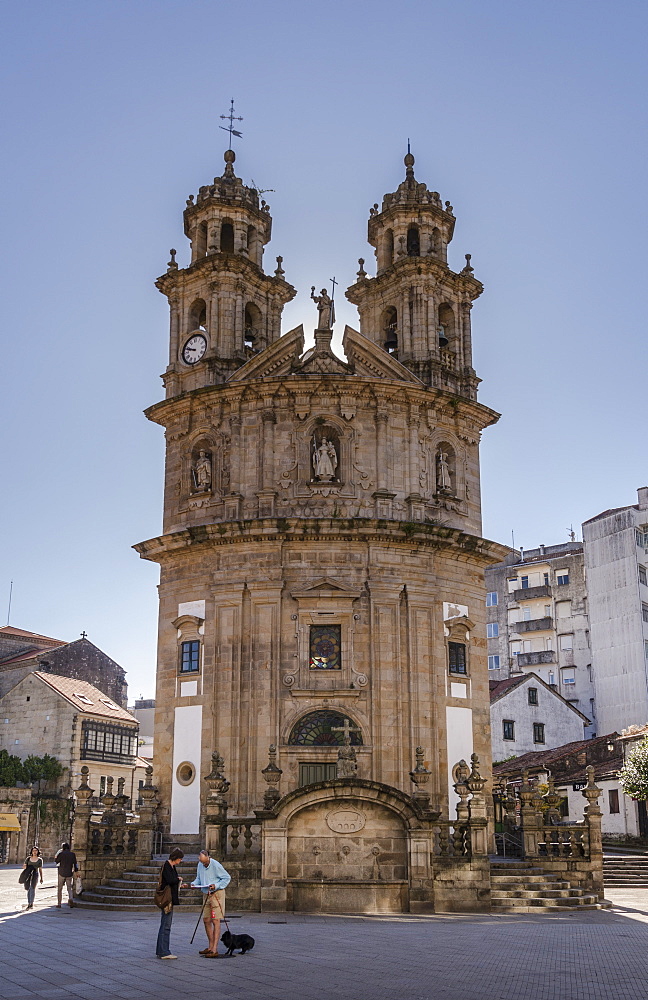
[{"x": 194, "y": 349}]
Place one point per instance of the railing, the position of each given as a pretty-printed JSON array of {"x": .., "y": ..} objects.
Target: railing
[
  {"x": 509, "y": 845},
  {"x": 241, "y": 838},
  {"x": 104, "y": 839},
  {"x": 451, "y": 839},
  {"x": 563, "y": 842}
]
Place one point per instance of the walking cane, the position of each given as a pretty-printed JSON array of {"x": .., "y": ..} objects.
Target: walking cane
[{"x": 199, "y": 919}]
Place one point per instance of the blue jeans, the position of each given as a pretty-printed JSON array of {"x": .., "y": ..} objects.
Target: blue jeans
[
  {"x": 31, "y": 892},
  {"x": 164, "y": 934}
]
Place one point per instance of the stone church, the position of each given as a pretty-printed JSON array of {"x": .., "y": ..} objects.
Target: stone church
[{"x": 322, "y": 652}]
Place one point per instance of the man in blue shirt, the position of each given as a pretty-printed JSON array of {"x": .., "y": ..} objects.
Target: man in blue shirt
[{"x": 211, "y": 878}]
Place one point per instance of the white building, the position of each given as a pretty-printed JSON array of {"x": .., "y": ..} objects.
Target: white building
[
  {"x": 537, "y": 623},
  {"x": 528, "y": 715},
  {"x": 616, "y": 566}
]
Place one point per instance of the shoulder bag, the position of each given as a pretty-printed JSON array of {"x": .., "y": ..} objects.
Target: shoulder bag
[{"x": 162, "y": 897}]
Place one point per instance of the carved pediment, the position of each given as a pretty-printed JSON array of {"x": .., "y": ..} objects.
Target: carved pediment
[
  {"x": 278, "y": 359},
  {"x": 326, "y": 587},
  {"x": 367, "y": 359}
]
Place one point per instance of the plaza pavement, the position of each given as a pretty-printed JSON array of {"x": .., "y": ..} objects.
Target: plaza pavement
[{"x": 66, "y": 953}]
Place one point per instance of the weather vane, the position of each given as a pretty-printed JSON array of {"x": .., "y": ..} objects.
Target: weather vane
[{"x": 231, "y": 118}]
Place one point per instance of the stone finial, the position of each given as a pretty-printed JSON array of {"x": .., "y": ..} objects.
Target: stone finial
[
  {"x": 420, "y": 775},
  {"x": 591, "y": 792},
  {"x": 190, "y": 201},
  {"x": 361, "y": 271},
  {"x": 468, "y": 269},
  {"x": 172, "y": 265},
  {"x": 474, "y": 781},
  {"x": 448, "y": 208},
  {"x": 272, "y": 775},
  {"x": 217, "y": 782},
  {"x": 85, "y": 771},
  {"x": 279, "y": 273}
]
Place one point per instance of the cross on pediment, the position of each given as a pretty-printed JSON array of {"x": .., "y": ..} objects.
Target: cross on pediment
[{"x": 347, "y": 729}]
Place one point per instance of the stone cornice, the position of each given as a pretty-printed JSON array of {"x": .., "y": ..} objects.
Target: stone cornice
[
  {"x": 345, "y": 385},
  {"x": 466, "y": 547}
]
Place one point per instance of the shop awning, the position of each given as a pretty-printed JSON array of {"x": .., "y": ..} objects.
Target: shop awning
[{"x": 9, "y": 822}]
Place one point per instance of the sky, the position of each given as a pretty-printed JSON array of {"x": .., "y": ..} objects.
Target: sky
[{"x": 529, "y": 117}]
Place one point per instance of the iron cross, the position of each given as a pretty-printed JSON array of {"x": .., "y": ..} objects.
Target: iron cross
[
  {"x": 334, "y": 283},
  {"x": 231, "y": 117}
]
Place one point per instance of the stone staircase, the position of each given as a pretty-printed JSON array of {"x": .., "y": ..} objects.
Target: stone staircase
[
  {"x": 133, "y": 891},
  {"x": 630, "y": 870},
  {"x": 521, "y": 887}
]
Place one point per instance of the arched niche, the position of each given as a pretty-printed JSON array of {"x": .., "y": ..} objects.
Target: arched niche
[
  {"x": 202, "y": 471},
  {"x": 445, "y": 469},
  {"x": 436, "y": 242},
  {"x": 227, "y": 237},
  {"x": 253, "y": 328},
  {"x": 198, "y": 315},
  {"x": 325, "y": 454},
  {"x": 413, "y": 242},
  {"x": 389, "y": 328},
  {"x": 201, "y": 239},
  {"x": 252, "y": 242},
  {"x": 446, "y": 326}
]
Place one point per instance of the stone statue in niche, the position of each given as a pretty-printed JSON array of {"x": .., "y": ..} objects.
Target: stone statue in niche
[
  {"x": 444, "y": 478},
  {"x": 325, "y": 460},
  {"x": 202, "y": 472},
  {"x": 347, "y": 764},
  {"x": 325, "y": 309}
]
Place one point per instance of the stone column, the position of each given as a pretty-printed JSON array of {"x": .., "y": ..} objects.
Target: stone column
[
  {"x": 174, "y": 339},
  {"x": 529, "y": 818},
  {"x": 593, "y": 819},
  {"x": 81, "y": 824},
  {"x": 466, "y": 337},
  {"x": 150, "y": 801},
  {"x": 382, "y": 417}
]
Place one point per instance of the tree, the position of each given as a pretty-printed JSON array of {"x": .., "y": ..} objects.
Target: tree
[
  {"x": 11, "y": 770},
  {"x": 44, "y": 768},
  {"x": 633, "y": 776}
]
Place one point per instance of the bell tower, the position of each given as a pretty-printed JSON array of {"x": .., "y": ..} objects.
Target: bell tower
[
  {"x": 224, "y": 307},
  {"x": 416, "y": 308}
]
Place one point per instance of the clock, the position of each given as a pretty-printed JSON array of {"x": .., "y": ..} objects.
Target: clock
[{"x": 194, "y": 349}]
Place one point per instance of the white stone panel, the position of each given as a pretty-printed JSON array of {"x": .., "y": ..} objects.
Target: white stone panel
[
  {"x": 195, "y": 608},
  {"x": 185, "y": 799},
  {"x": 454, "y": 610},
  {"x": 460, "y": 745},
  {"x": 458, "y": 690},
  {"x": 188, "y": 688}
]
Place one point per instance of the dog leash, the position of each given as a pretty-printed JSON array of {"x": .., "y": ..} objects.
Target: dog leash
[{"x": 222, "y": 913}]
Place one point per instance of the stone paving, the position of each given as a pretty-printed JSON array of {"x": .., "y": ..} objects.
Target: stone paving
[{"x": 65, "y": 953}]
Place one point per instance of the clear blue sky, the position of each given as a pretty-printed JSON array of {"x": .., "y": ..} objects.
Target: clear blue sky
[{"x": 529, "y": 117}]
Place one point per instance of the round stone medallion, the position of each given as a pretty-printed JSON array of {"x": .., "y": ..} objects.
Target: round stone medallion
[{"x": 345, "y": 821}]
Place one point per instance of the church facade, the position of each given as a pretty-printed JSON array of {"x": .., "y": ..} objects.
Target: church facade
[{"x": 322, "y": 651}]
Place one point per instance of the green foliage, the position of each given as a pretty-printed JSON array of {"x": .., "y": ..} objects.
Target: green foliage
[
  {"x": 11, "y": 770},
  {"x": 633, "y": 776}
]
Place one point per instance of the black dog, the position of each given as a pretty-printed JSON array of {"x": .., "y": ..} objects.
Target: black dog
[{"x": 232, "y": 941}]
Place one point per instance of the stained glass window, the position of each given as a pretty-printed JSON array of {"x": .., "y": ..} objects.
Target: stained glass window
[
  {"x": 324, "y": 729},
  {"x": 324, "y": 652}
]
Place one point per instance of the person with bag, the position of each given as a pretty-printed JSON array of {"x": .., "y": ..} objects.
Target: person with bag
[
  {"x": 212, "y": 879},
  {"x": 32, "y": 868},
  {"x": 67, "y": 865},
  {"x": 166, "y": 897}
]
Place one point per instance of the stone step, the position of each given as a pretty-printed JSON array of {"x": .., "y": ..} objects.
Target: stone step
[
  {"x": 539, "y": 894},
  {"x": 550, "y": 909},
  {"x": 123, "y": 892},
  {"x": 577, "y": 902},
  {"x": 526, "y": 879},
  {"x": 100, "y": 904}
]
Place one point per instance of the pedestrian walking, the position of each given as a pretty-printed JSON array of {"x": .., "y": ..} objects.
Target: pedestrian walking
[
  {"x": 212, "y": 879},
  {"x": 67, "y": 866},
  {"x": 34, "y": 865},
  {"x": 169, "y": 877}
]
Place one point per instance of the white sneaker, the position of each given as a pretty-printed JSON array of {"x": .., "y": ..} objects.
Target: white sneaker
[{"x": 168, "y": 956}]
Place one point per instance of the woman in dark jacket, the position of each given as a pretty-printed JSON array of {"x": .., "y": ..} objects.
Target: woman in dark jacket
[
  {"x": 35, "y": 865},
  {"x": 171, "y": 878}
]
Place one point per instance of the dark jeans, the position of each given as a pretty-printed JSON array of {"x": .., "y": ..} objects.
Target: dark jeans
[
  {"x": 164, "y": 934},
  {"x": 31, "y": 892}
]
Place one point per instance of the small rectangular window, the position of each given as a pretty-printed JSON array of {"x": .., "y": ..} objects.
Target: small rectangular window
[
  {"x": 642, "y": 575},
  {"x": 644, "y": 615},
  {"x": 526, "y": 614},
  {"x": 189, "y": 657},
  {"x": 456, "y": 658},
  {"x": 566, "y": 641},
  {"x": 546, "y": 579},
  {"x": 508, "y": 729},
  {"x": 524, "y": 582},
  {"x": 568, "y": 676},
  {"x": 538, "y": 732},
  {"x": 533, "y": 696},
  {"x": 491, "y": 599},
  {"x": 562, "y": 577},
  {"x": 613, "y": 799},
  {"x": 492, "y": 629},
  {"x": 493, "y": 662},
  {"x": 309, "y": 773}
]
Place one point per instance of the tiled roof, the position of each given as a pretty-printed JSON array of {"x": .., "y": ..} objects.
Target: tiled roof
[
  {"x": 91, "y": 701},
  {"x": 30, "y": 654},
  {"x": 537, "y": 760},
  {"x": 20, "y": 633},
  {"x": 498, "y": 688}
]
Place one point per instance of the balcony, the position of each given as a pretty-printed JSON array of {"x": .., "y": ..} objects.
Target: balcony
[
  {"x": 533, "y": 625},
  {"x": 529, "y": 593},
  {"x": 533, "y": 659}
]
